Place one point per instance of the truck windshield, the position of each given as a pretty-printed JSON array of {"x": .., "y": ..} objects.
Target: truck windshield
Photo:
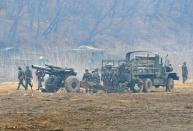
[{"x": 141, "y": 54}]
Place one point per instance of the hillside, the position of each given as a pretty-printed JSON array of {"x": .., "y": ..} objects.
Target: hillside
[{"x": 115, "y": 25}]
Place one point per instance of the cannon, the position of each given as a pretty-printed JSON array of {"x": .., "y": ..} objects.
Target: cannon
[{"x": 59, "y": 77}]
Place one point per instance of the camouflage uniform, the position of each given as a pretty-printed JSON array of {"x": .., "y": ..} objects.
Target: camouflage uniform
[
  {"x": 21, "y": 77},
  {"x": 87, "y": 76},
  {"x": 96, "y": 76},
  {"x": 184, "y": 72},
  {"x": 40, "y": 77},
  {"x": 96, "y": 81},
  {"x": 107, "y": 76},
  {"x": 115, "y": 79},
  {"x": 87, "y": 80},
  {"x": 28, "y": 77}
]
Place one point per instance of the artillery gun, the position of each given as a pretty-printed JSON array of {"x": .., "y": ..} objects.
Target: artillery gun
[
  {"x": 141, "y": 71},
  {"x": 59, "y": 77}
]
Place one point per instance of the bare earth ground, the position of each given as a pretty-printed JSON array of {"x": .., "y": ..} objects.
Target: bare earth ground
[{"x": 155, "y": 111}]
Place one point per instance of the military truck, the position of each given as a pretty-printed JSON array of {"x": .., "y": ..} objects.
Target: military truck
[
  {"x": 59, "y": 77},
  {"x": 141, "y": 71}
]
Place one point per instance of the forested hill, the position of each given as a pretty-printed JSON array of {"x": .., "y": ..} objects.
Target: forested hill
[{"x": 116, "y": 25}]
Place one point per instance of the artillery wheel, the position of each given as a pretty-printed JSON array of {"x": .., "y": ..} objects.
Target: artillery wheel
[
  {"x": 147, "y": 85},
  {"x": 170, "y": 84},
  {"x": 72, "y": 84}
]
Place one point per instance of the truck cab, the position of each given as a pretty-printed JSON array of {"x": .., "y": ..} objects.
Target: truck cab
[{"x": 150, "y": 68}]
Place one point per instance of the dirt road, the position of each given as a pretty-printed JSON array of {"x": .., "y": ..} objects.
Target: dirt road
[{"x": 155, "y": 111}]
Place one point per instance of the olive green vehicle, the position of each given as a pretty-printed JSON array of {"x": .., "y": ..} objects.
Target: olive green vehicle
[{"x": 141, "y": 71}]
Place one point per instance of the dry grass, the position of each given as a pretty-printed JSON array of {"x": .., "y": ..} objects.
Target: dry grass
[{"x": 158, "y": 110}]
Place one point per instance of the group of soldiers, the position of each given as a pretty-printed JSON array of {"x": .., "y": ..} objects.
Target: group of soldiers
[
  {"x": 91, "y": 81},
  {"x": 111, "y": 77},
  {"x": 115, "y": 77},
  {"x": 91, "y": 77},
  {"x": 25, "y": 78},
  {"x": 108, "y": 77}
]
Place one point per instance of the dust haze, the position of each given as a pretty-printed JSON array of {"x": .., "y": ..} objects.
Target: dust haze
[{"x": 79, "y": 34}]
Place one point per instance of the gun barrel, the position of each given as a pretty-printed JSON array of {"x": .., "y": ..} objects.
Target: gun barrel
[
  {"x": 53, "y": 67},
  {"x": 54, "y": 70},
  {"x": 37, "y": 67}
]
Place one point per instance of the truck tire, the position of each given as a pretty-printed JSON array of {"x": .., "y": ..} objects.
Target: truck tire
[
  {"x": 72, "y": 84},
  {"x": 147, "y": 85},
  {"x": 170, "y": 84}
]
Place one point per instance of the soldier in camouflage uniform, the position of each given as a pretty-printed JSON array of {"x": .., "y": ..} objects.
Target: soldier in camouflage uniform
[
  {"x": 184, "y": 72},
  {"x": 28, "y": 77},
  {"x": 40, "y": 77},
  {"x": 107, "y": 76},
  {"x": 96, "y": 76},
  {"x": 87, "y": 80},
  {"x": 115, "y": 79},
  {"x": 21, "y": 77},
  {"x": 96, "y": 81},
  {"x": 87, "y": 76}
]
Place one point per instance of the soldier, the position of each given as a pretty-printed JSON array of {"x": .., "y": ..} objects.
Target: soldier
[
  {"x": 87, "y": 76},
  {"x": 107, "y": 76},
  {"x": 28, "y": 78},
  {"x": 184, "y": 72},
  {"x": 21, "y": 77},
  {"x": 115, "y": 79},
  {"x": 40, "y": 77},
  {"x": 96, "y": 76}
]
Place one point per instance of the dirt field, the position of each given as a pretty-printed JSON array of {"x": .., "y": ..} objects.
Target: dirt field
[{"x": 155, "y": 111}]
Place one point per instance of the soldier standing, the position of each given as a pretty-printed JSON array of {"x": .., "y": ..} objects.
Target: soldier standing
[
  {"x": 28, "y": 78},
  {"x": 87, "y": 76},
  {"x": 115, "y": 79},
  {"x": 96, "y": 76},
  {"x": 107, "y": 76},
  {"x": 184, "y": 72},
  {"x": 21, "y": 77},
  {"x": 40, "y": 77}
]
